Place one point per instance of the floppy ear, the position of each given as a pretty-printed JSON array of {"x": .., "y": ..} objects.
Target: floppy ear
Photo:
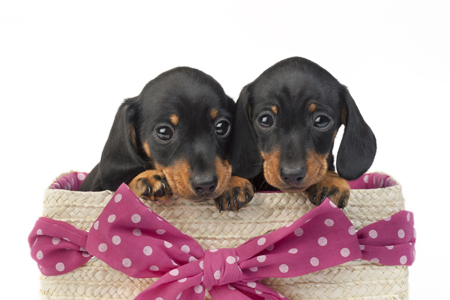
[
  {"x": 120, "y": 160},
  {"x": 358, "y": 146},
  {"x": 246, "y": 159}
]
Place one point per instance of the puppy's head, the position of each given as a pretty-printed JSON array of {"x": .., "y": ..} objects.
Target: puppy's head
[
  {"x": 286, "y": 121},
  {"x": 179, "y": 124}
]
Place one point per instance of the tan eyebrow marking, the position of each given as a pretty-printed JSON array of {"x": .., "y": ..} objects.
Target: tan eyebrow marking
[
  {"x": 312, "y": 108},
  {"x": 214, "y": 113},
  {"x": 146, "y": 149},
  {"x": 174, "y": 119},
  {"x": 274, "y": 109}
]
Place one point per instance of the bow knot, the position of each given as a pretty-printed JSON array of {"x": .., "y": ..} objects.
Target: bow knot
[
  {"x": 134, "y": 240},
  {"x": 221, "y": 267}
]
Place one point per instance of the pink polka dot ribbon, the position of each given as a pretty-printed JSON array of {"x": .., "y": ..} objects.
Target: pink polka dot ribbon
[{"x": 131, "y": 238}]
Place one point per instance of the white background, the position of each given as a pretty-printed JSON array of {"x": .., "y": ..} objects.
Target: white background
[{"x": 66, "y": 67}]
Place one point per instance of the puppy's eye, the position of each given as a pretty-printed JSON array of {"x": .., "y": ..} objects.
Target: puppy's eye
[
  {"x": 223, "y": 128},
  {"x": 164, "y": 133},
  {"x": 266, "y": 121},
  {"x": 321, "y": 121}
]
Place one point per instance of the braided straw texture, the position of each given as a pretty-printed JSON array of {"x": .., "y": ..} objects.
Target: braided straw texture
[{"x": 267, "y": 211}]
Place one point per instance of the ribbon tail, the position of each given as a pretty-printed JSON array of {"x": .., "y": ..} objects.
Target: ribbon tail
[
  {"x": 166, "y": 287},
  {"x": 57, "y": 247}
]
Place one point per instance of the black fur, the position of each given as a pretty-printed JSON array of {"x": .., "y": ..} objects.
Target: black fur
[
  {"x": 185, "y": 92},
  {"x": 292, "y": 85}
]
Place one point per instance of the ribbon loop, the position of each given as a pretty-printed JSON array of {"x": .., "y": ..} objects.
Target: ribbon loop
[
  {"x": 221, "y": 267},
  {"x": 134, "y": 240},
  {"x": 57, "y": 247}
]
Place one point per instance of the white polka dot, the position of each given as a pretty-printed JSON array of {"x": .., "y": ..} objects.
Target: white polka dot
[
  {"x": 293, "y": 251},
  {"x": 351, "y": 230},
  {"x": 283, "y": 268},
  {"x": 126, "y": 262},
  {"x": 298, "y": 232},
  {"x": 55, "y": 241},
  {"x": 231, "y": 260},
  {"x": 401, "y": 233},
  {"x": 160, "y": 231},
  {"x": 159, "y": 298},
  {"x": 81, "y": 176},
  {"x": 102, "y": 247},
  {"x": 182, "y": 280},
  {"x": 261, "y": 258},
  {"x": 345, "y": 252},
  {"x": 167, "y": 244},
  {"x": 231, "y": 287},
  {"x": 270, "y": 248},
  {"x": 174, "y": 272},
  {"x": 198, "y": 289},
  {"x": 39, "y": 255},
  {"x": 96, "y": 225},
  {"x": 154, "y": 268},
  {"x": 39, "y": 232},
  {"x": 373, "y": 234},
  {"x": 314, "y": 261},
  {"x": 148, "y": 250},
  {"x": 258, "y": 292},
  {"x": 111, "y": 218},
  {"x": 366, "y": 179},
  {"x": 85, "y": 254},
  {"x": 185, "y": 249},
  {"x": 362, "y": 247},
  {"x": 137, "y": 232},
  {"x": 289, "y": 224},
  {"x": 217, "y": 275},
  {"x": 322, "y": 241},
  {"x": 251, "y": 284},
  {"x": 174, "y": 263},
  {"x": 201, "y": 264},
  {"x": 375, "y": 260},
  {"x": 261, "y": 241},
  {"x": 135, "y": 218},
  {"x": 390, "y": 247},
  {"x": 179, "y": 295},
  {"x": 191, "y": 259},
  {"x": 213, "y": 250},
  {"x": 116, "y": 240},
  {"x": 333, "y": 205},
  {"x": 66, "y": 239},
  {"x": 387, "y": 219},
  {"x": 329, "y": 222},
  {"x": 254, "y": 269},
  {"x": 118, "y": 198},
  {"x": 60, "y": 267}
]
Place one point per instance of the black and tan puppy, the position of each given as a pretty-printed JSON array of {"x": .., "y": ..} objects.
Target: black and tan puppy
[
  {"x": 171, "y": 139},
  {"x": 285, "y": 125}
]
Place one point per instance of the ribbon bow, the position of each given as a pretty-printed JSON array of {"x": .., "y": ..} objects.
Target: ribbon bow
[{"x": 131, "y": 238}]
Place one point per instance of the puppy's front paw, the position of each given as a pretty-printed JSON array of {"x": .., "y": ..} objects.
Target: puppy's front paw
[
  {"x": 151, "y": 185},
  {"x": 238, "y": 193},
  {"x": 332, "y": 186}
]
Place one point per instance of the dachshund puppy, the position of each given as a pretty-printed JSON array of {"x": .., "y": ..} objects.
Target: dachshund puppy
[
  {"x": 171, "y": 139},
  {"x": 285, "y": 125}
]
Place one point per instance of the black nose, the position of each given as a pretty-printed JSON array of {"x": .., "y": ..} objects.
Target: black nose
[
  {"x": 204, "y": 185},
  {"x": 293, "y": 176}
]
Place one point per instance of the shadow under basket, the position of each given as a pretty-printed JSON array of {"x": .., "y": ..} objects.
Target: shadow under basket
[{"x": 373, "y": 197}]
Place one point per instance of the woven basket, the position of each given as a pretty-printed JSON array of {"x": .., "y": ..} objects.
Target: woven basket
[{"x": 267, "y": 211}]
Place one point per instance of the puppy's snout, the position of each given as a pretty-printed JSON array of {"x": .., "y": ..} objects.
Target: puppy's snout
[
  {"x": 204, "y": 185},
  {"x": 293, "y": 176}
]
